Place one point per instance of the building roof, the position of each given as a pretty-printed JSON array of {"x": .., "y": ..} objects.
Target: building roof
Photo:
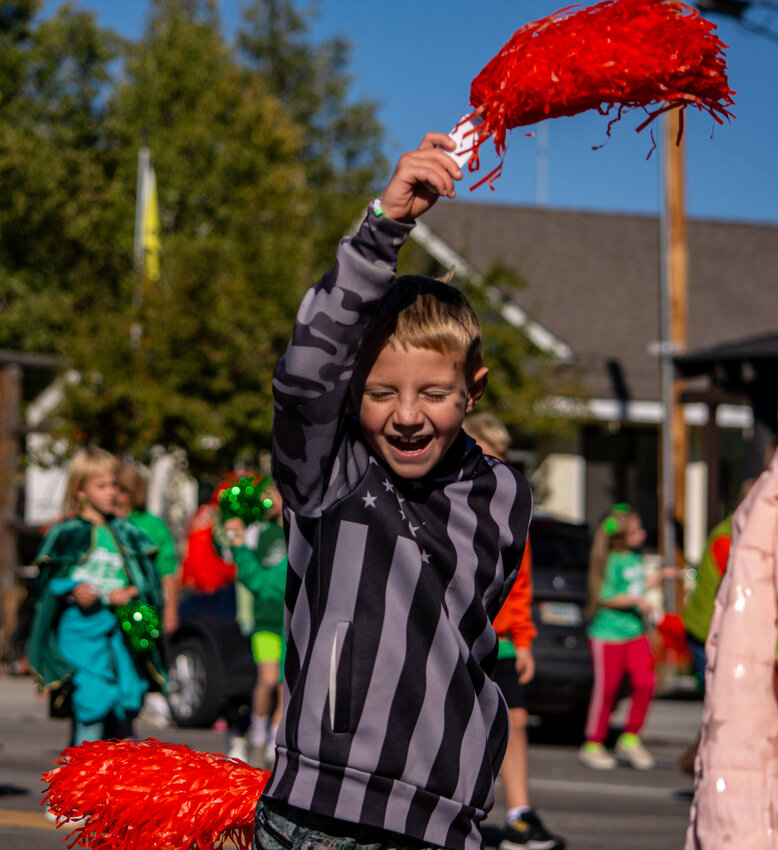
[
  {"x": 593, "y": 282},
  {"x": 742, "y": 365},
  {"x": 758, "y": 348}
]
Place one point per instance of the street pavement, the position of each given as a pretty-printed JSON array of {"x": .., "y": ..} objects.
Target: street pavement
[{"x": 594, "y": 810}]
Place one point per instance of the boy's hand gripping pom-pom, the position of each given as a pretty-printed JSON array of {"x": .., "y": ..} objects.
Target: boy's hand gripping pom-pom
[
  {"x": 134, "y": 795},
  {"x": 421, "y": 176},
  {"x": 617, "y": 54}
]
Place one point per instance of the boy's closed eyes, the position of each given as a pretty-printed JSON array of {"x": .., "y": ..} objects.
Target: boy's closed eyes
[{"x": 413, "y": 403}]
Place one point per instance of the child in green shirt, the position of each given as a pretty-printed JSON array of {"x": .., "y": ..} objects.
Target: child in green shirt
[{"x": 617, "y": 638}]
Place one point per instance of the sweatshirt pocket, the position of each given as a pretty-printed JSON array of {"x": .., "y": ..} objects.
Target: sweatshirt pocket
[{"x": 340, "y": 677}]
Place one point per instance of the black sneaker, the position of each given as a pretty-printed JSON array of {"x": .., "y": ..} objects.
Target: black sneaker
[{"x": 528, "y": 833}]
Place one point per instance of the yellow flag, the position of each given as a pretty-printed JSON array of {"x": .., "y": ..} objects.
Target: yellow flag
[{"x": 151, "y": 244}]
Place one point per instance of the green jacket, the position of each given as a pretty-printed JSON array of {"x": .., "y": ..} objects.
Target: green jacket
[
  {"x": 699, "y": 609},
  {"x": 267, "y": 584},
  {"x": 64, "y": 546}
]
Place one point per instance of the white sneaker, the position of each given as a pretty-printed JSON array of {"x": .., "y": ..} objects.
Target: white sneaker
[
  {"x": 258, "y": 731},
  {"x": 51, "y": 817},
  {"x": 630, "y": 749},
  {"x": 155, "y": 712},
  {"x": 594, "y": 755},
  {"x": 238, "y": 748}
]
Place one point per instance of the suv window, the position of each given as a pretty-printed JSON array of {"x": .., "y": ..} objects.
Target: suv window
[{"x": 555, "y": 543}]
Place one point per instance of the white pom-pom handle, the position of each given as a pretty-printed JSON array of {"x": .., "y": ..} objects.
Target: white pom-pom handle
[{"x": 464, "y": 134}]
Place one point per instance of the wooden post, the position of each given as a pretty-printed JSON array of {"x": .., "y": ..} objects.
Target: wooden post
[
  {"x": 10, "y": 420},
  {"x": 679, "y": 264},
  {"x": 675, "y": 265}
]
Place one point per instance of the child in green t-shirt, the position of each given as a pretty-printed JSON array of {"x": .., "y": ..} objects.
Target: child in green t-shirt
[
  {"x": 261, "y": 569},
  {"x": 91, "y": 564},
  {"x": 617, "y": 636}
]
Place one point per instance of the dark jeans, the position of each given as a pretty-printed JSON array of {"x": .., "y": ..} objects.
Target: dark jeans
[
  {"x": 281, "y": 827},
  {"x": 697, "y": 652}
]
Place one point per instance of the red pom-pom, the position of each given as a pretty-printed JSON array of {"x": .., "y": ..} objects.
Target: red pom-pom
[
  {"x": 618, "y": 54},
  {"x": 202, "y": 568},
  {"x": 140, "y": 794}
]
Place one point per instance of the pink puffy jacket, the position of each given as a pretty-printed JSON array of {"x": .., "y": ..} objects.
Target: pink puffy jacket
[{"x": 736, "y": 786}]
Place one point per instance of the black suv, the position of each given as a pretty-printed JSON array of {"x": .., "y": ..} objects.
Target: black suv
[
  {"x": 209, "y": 660},
  {"x": 563, "y": 671}
]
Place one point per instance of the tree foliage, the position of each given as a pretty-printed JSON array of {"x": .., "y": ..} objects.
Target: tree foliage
[{"x": 256, "y": 183}]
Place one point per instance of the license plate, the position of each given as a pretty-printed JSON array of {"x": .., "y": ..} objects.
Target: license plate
[{"x": 560, "y": 613}]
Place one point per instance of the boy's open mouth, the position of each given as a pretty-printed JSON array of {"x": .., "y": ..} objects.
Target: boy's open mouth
[{"x": 410, "y": 445}]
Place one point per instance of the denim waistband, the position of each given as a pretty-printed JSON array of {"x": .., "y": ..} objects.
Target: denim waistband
[{"x": 361, "y": 833}]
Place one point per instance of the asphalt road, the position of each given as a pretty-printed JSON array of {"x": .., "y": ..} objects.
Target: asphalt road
[{"x": 607, "y": 810}]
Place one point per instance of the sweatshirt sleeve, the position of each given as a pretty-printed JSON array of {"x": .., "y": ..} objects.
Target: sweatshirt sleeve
[
  {"x": 514, "y": 618},
  {"x": 719, "y": 551},
  {"x": 312, "y": 379},
  {"x": 248, "y": 568}
]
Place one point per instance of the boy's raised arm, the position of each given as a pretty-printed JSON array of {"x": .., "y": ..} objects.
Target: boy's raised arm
[{"x": 312, "y": 379}]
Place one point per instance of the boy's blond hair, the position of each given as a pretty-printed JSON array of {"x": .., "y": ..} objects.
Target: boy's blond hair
[
  {"x": 485, "y": 428},
  {"x": 86, "y": 463},
  {"x": 426, "y": 313}
]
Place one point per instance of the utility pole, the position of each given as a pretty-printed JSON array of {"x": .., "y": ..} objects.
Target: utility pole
[
  {"x": 673, "y": 304},
  {"x": 10, "y": 421}
]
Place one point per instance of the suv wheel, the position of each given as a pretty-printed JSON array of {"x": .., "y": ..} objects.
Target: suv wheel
[{"x": 194, "y": 683}]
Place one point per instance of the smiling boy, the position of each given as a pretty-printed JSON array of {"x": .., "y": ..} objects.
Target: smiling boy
[{"x": 403, "y": 542}]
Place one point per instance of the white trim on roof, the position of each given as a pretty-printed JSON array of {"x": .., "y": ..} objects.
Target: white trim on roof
[
  {"x": 652, "y": 412},
  {"x": 510, "y": 311}
]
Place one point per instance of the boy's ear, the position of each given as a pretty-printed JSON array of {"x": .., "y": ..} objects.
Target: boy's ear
[{"x": 476, "y": 389}]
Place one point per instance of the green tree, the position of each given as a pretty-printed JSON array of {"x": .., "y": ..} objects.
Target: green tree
[
  {"x": 342, "y": 144},
  {"x": 246, "y": 210},
  {"x": 56, "y": 228}
]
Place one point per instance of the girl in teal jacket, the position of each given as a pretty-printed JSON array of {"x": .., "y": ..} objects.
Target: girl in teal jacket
[{"x": 91, "y": 564}]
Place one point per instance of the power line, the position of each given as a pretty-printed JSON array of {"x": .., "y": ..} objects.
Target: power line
[{"x": 755, "y": 16}]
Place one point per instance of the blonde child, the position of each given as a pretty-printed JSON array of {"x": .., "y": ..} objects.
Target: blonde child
[
  {"x": 403, "y": 540},
  {"x": 91, "y": 563},
  {"x": 617, "y": 634}
]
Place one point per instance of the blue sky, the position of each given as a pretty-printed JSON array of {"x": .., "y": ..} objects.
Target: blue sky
[{"x": 418, "y": 57}]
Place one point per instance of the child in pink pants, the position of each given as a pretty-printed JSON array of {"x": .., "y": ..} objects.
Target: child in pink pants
[{"x": 618, "y": 641}]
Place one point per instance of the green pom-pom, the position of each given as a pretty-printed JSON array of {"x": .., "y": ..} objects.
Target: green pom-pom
[
  {"x": 246, "y": 499},
  {"x": 140, "y": 625}
]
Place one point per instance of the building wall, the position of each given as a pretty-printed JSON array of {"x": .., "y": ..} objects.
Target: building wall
[
  {"x": 562, "y": 491},
  {"x": 579, "y": 479}
]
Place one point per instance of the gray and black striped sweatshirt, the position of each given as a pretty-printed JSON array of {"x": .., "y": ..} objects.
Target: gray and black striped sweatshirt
[{"x": 391, "y": 718}]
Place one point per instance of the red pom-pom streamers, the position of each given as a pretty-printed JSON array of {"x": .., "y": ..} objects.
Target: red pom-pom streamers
[
  {"x": 618, "y": 54},
  {"x": 141, "y": 794},
  {"x": 202, "y": 568}
]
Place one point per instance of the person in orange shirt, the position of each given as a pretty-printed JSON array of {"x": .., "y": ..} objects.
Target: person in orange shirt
[{"x": 515, "y": 668}]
